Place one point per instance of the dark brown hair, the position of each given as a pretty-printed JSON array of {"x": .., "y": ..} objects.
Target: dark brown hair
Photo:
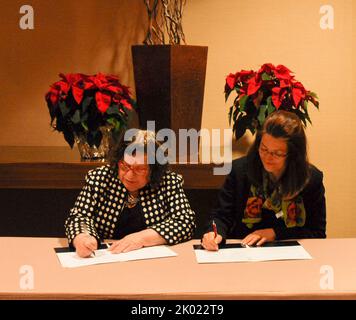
[
  {"x": 285, "y": 125},
  {"x": 145, "y": 141}
]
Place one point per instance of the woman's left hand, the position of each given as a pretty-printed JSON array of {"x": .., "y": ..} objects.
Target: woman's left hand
[
  {"x": 259, "y": 237},
  {"x": 131, "y": 242}
]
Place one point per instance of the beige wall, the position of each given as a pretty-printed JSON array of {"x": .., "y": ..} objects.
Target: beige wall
[
  {"x": 87, "y": 36},
  {"x": 246, "y": 34},
  {"x": 92, "y": 36}
]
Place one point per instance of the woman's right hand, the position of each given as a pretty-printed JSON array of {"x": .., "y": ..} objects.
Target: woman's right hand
[
  {"x": 85, "y": 244},
  {"x": 209, "y": 242}
]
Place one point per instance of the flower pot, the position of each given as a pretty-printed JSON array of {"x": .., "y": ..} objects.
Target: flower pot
[
  {"x": 169, "y": 81},
  {"x": 88, "y": 152}
]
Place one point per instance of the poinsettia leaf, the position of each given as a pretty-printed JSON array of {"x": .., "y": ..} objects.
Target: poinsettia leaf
[
  {"x": 315, "y": 102},
  {"x": 117, "y": 127},
  {"x": 84, "y": 117},
  {"x": 250, "y": 109},
  {"x": 251, "y": 125},
  {"x": 59, "y": 124},
  {"x": 270, "y": 106},
  {"x": 301, "y": 115},
  {"x": 230, "y": 114},
  {"x": 227, "y": 92},
  {"x": 242, "y": 102},
  {"x": 303, "y": 120},
  {"x": 265, "y": 76},
  {"x": 306, "y": 114},
  {"x": 314, "y": 95},
  {"x": 69, "y": 137},
  {"x": 262, "y": 114},
  {"x": 63, "y": 107},
  {"x": 86, "y": 103},
  {"x": 240, "y": 126},
  {"x": 111, "y": 121},
  {"x": 235, "y": 114},
  {"x": 94, "y": 119},
  {"x": 113, "y": 109},
  {"x": 76, "y": 117},
  {"x": 236, "y": 104},
  {"x": 116, "y": 124},
  {"x": 84, "y": 125},
  {"x": 52, "y": 108}
]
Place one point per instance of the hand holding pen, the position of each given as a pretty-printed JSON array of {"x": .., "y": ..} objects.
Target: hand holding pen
[
  {"x": 211, "y": 240},
  {"x": 84, "y": 243},
  {"x": 215, "y": 229}
]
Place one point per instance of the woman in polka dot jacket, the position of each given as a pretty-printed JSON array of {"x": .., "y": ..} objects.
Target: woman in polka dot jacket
[{"x": 130, "y": 199}]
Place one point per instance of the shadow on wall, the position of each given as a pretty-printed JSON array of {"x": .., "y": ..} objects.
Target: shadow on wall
[{"x": 125, "y": 25}]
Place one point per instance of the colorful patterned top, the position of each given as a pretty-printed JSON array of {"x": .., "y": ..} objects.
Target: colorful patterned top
[{"x": 243, "y": 208}]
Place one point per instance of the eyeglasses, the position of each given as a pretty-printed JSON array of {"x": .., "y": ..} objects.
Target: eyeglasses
[
  {"x": 274, "y": 154},
  {"x": 137, "y": 170}
]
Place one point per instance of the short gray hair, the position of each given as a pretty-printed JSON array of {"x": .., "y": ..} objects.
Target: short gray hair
[{"x": 141, "y": 139}]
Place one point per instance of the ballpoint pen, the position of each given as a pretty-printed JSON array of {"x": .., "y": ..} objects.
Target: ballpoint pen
[
  {"x": 214, "y": 229},
  {"x": 85, "y": 230}
]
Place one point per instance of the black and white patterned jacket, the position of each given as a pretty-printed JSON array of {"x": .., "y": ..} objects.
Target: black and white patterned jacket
[{"x": 99, "y": 204}]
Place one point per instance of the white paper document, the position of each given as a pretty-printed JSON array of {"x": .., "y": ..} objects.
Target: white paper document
[
  {"x": 69, "y": 259},
  {"x": 289, "y": 250}
]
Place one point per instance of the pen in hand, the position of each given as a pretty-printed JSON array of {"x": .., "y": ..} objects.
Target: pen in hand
[
  {"x": 86, "y": 231},
  {"x": 214, "y": 229}
]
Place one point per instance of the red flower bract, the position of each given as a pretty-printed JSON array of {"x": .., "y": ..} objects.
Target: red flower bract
[
  {"x": 282, "y": 72},
  {"x": 262, "y": 92},
  {"x": 84, "y": 103},
  {"x": 231, "y": 80},
  {"x": 253, "y": 85},
  {"x": 103, "y": 101}
]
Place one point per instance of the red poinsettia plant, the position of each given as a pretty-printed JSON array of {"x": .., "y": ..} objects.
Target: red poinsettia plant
[
  {"x": 82, "y": 104},
  {"x": 260, "y": 93}
]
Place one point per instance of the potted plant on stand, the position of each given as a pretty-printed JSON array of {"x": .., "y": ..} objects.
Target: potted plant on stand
[
  {"x": 259, "y": 93},
  {"x": 169, "y": 75},
  {"x": 90, "y": 110}
]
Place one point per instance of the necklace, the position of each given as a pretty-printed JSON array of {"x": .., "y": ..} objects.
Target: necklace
[{"x": 131, "y": 201}]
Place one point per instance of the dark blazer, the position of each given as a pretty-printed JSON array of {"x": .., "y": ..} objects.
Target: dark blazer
[
  {"x": 232, "y": 198},
  {"x": 102, "y": 199}
]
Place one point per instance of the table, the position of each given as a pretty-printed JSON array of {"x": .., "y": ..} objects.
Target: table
[{"x": 178, "y": 277}]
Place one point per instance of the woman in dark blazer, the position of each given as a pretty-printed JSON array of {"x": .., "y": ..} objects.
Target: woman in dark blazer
[
  {"x": 136, "y": 201},
  {"x": 273, "y": 193}
]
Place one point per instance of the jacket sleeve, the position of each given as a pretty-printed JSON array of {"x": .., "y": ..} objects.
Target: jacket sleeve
[
  {"x": 314, "y": 203},
  {"x": 179, "y": 224},
  {"x": 81, "y": 215}
]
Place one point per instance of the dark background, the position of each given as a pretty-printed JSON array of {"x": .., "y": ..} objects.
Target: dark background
[{"x": 42, "y": 212}]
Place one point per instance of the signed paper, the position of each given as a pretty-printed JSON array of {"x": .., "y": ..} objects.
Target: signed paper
[
  {"x": 289, "y": 250},
  {"x": 72, "y": 260}
]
